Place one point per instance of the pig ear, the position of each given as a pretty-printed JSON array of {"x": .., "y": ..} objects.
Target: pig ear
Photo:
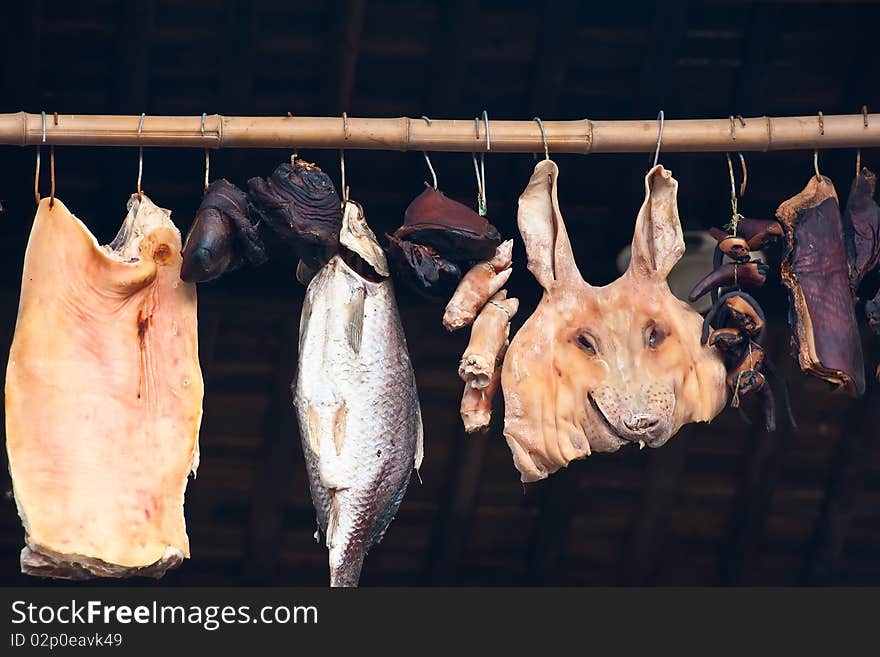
[
  {"x": 540, "y": 222},
  {"x": 658, "y": 242}
]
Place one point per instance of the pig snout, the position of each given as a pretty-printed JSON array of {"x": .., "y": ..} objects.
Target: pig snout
[
  {"x": 643, "y": 416},
  {"x": 641, "y": 423}
]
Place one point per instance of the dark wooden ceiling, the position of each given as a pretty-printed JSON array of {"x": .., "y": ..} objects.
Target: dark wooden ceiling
[{"x": 720, "y": 504}]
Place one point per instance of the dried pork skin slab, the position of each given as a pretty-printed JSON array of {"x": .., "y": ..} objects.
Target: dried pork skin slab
[
  {"x": 103, "y": 397},
  {"x": 816, "y": 272}
]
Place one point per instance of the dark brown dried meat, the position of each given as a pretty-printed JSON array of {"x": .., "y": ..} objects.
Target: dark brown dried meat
[
  {"x": 222, "y": 237},
  {"x": 760, "y": 233},
  {"x": 423, "y": 268},
  {"x": 302, "y": 207},
  {"x": 815, "y": 271},
  {"x": 861, "y": 226},
  {"x": 450, "y": 228}
]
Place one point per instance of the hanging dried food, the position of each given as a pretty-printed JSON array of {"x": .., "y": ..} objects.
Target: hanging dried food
[
  {"x": 861, "y": 224},
  {"x": 356, "y": 400},
  {"x": 476, "y": 403},
  {"x": 735, "y": 323},
  {"x": 480, "y": 366},
  {"x": 595, "y": 368},
  {"x": 481, "y": 282},
  {"x": 103, "y": 397},
  {"x": 222, "y": 237},
  {"x": 301, "y": 205},
  {"x": 423, "y": 268},
  {"x": 449, "y": 227},
  {"x": 439, "y": 239},
  {"x": 816, "y": 272}
]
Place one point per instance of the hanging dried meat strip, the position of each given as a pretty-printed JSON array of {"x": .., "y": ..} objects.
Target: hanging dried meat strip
[
  {"x": 815, "y": 271},
  {"x": 861, "y": 224}
]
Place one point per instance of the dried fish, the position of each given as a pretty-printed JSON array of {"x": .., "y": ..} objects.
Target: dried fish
[{"x": 356, "y": 400}]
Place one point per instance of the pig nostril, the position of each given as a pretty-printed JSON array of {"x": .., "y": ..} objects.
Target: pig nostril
[{"x": 641, "y": 423}]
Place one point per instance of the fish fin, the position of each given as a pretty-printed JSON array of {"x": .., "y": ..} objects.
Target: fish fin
[
  {"x": 340, "y": 419},
  {"x": 305, "y": 313},
  {"x": 354, "y": 319},
  {"x": 420, "y": 442},
  {"x": 313, "y": 428},
  {"x": 332, "y": 521}
]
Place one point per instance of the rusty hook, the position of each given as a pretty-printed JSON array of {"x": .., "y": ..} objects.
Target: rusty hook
[{"x": 37, "y": 171}]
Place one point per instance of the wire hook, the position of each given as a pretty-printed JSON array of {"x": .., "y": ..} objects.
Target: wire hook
[
  {"x": 207, "y": 151},
  {"x": 661, "y": 117},
  {"x": 140, "y": 193},
  {"x": 37, "y": 171},
  {"x": 427, "y": 158},
  {"x": 481, "y": 199},
  {"x": 543, "y": 137},
  {"x": 859, "y": 150},
  {"x": 821, "y": 124},
  {"x": 342, "y": 158}
]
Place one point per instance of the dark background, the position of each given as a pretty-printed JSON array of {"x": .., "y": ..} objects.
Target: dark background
[{"x": 720, "y": 504}]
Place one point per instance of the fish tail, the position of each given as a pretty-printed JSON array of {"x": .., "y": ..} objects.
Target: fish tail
[{"x": 346, "y": 571}]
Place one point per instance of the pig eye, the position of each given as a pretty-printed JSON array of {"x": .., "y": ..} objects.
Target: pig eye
[
  {"x": 586, "y": 343},
  {"x": 654, "y": 336}
]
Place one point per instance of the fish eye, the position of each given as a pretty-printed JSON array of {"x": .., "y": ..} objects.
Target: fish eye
[
  {"x": 586, "y": 343},
  {"x": 654, "y": 336}
]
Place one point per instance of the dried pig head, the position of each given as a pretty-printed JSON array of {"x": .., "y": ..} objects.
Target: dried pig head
[
  {"x": 816, "y": 272},
  {"x": 595, "y": 368}
]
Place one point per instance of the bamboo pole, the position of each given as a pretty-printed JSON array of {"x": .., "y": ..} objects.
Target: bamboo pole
[{"x": 401, "y": 134}]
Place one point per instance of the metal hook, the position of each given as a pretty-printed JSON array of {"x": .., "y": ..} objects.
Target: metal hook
[
  {"x": 481, "y": 200},
  {"x": 483, "y": 160},
  {"x": 733, "y": 120},
  {"x": 207, "y": 151},
  {"x": 821, "y": 124},
  {"x": 745, "y": 180},
  {"x": 427, "y": 158},
  {"x": 859, "y": 150},
  {"x": 543, "y": 137},
  {"x": 342, "y": 157},
  {"x": 52, "y": 176},
  {"x": 37, "y": 171},
  {"x": 140, "y": 193},
  {"x": 662, "y": 118}
]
